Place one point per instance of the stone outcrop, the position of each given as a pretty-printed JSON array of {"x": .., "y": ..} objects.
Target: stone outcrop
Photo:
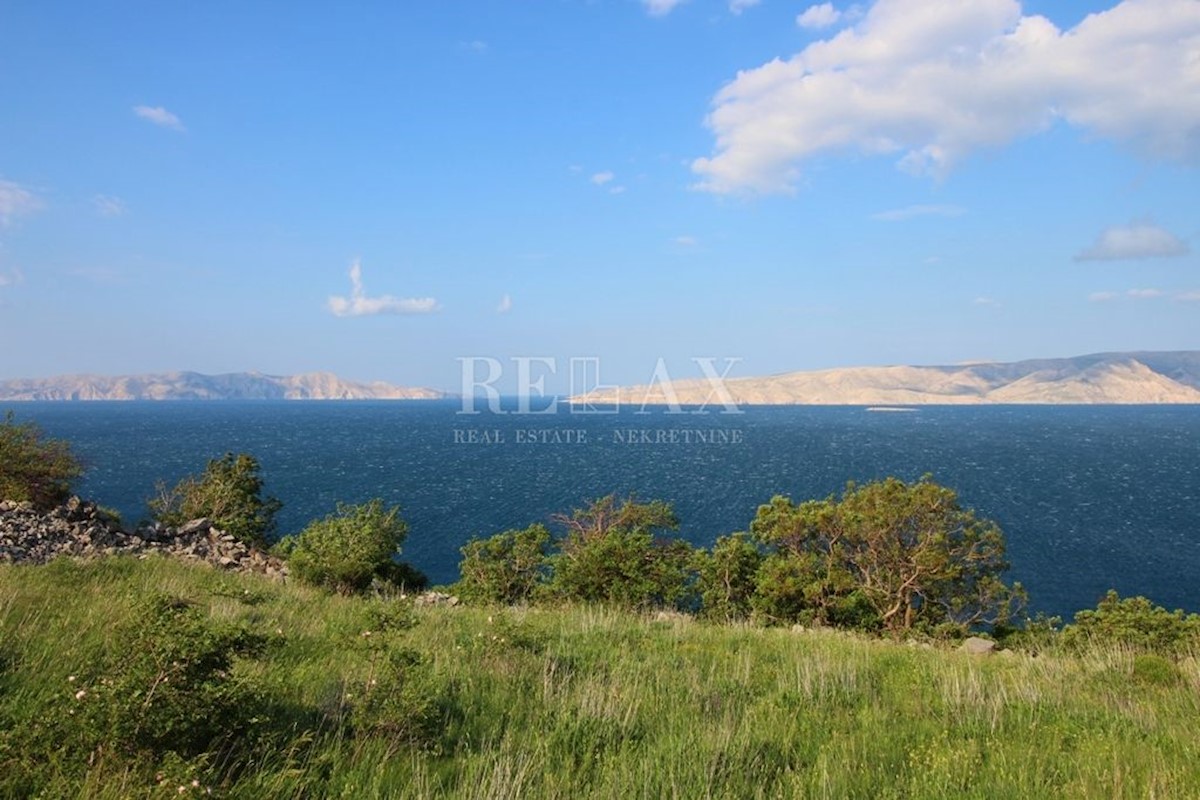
[
  {"x": 80, "y": 529},
  {"x": 976, "y": 646}
]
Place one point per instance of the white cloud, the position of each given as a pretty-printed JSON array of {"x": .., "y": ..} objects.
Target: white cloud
[
  {"x": 909, "y": 212},
  {"x": 505, "y": 305},
  {"x": 660, "y": 8},
  {"x": 359, "y": 305},
  {"x": 930, "y": 83},
  {"x": 1189, "y": 297},
  {"x": 159, "y": 116},
  {"x": 1144, "y": 294},
  {"x": 738, "y": 6},
  {"x": 108, "y": 206},
  {"x": 477, "y": 46},
  {"x": 984, "y": 301},
  {"x": 1102, "y": 297},
  {"x": 16, "y": 201},
  {"x": 601, "y": 178},
  {"x": 685, "y": 241},
  {"x": 1136, "y": 241},
  {"x": 820, "y": 16},
  {"x": 617, "y": 190}
]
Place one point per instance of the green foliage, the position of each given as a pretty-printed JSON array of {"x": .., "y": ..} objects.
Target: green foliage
[
  {"x": 610, "y": 554},
  {"x": 725, "y": 577},
  {"x": 374, "y": 698},
  {"x": 348, "y": 549},
  {"x": 169, "y": 686},
  {"x": 398, "y": 702},
  {"x": 1154, "y": 670},
  {"x": 506, "y": 568},
  {"x": 229, "y": 494},
  {"x": 1033, "y": 635},
  {"x": 1135, "y": 623},
  {"x": 782, "y": 588},
  {"x": 33, "y": 468},
  {"x": 887, "y": 554}
]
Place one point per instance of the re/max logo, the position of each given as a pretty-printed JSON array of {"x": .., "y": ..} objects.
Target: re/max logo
[{"x": 587, "y": 394}]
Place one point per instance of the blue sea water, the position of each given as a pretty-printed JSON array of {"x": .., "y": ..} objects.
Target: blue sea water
[{"x": 1089, "y": 497}]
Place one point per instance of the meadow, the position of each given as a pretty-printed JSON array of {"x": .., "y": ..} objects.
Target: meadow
[{"x": 376, "y": 696}]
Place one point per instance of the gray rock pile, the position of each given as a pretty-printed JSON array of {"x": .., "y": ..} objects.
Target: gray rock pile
[{"x": 80, "y": 529}]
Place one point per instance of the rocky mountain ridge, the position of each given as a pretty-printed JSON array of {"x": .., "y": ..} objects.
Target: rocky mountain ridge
[
  {"x": 1102, "y": 378},
  {"x": 197, "y": 386}
]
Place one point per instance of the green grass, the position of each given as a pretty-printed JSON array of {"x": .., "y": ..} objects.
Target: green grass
[{"x": 582, "y": 702}]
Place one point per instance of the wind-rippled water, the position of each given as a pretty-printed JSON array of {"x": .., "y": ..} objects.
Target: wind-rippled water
[{"x": 1089, "y": 497}]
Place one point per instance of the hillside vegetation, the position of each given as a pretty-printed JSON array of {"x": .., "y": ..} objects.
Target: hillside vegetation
[{"x": 316, "y": 694}]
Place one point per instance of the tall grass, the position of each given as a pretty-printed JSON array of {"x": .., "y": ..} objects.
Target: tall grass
[{"x": 580, "y": 702}]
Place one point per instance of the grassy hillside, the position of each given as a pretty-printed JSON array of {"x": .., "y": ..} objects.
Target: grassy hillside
[{"x": 362, "y": 697}]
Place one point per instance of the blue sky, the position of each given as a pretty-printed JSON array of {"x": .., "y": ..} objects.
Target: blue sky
[{"x": 798, "y": 185}]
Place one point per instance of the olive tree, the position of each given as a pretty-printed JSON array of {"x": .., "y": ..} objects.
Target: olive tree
[{"x": 907, "y": 553}]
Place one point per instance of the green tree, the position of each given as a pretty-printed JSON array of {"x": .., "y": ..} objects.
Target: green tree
[
  {"x": 893, "y": 554},
  {"x": 229, "y": 494},
  {"x": 726, "y": 577},
  {"x": 611, "y": 554},
  {"x": 348, "y": 549},
  {"x": 33, "y": 468},
  {"x": 506, "y": 568}
]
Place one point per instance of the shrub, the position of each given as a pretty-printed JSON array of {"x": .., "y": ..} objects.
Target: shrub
[
  {"x": 32, "y": 468},
  {"x": 1136, "y": 623},
  {"x": 229, "y": 494},
  {"x": 400, "y": 701},
  {"x": 506, "y": 568},
  {"x": 170, "y": 686},
  {"x": 725, "y": 577},
  {"x": 610, "y": 555},
  {"x": 348, "y": 549},
  {"x": 1035, "y": 635},
  {"x": 1155, "y": 670}
]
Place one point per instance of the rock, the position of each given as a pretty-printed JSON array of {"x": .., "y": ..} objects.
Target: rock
[
  {"x": 978, "y": 647},
  {"x": 77, "y": 528},
  {"x": 194, "y": 526},
  {"x": 436, "y": 599}
]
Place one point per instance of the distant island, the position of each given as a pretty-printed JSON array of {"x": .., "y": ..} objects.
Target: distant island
[
  {"x": 1102, "y": 378},
  {"x": 196, "y": 386}
]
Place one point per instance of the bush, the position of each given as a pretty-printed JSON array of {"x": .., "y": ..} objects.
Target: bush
[
  {"x": 169, "y": 687},
  {"x": 1136, "y": 623},
  {"x": 349, "y": 549},
  {"x": 32, "y": 468},
  {"x": 228, "y": 494},
  {"x": 506, "y": 568},
  {"x": 611, "y": 555},
  {"x": 725, "y": 577},
  {"x": 400, "y": 702}
]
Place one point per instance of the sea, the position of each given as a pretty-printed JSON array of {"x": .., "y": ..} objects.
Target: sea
[{"x": 1089, "y": 497}]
